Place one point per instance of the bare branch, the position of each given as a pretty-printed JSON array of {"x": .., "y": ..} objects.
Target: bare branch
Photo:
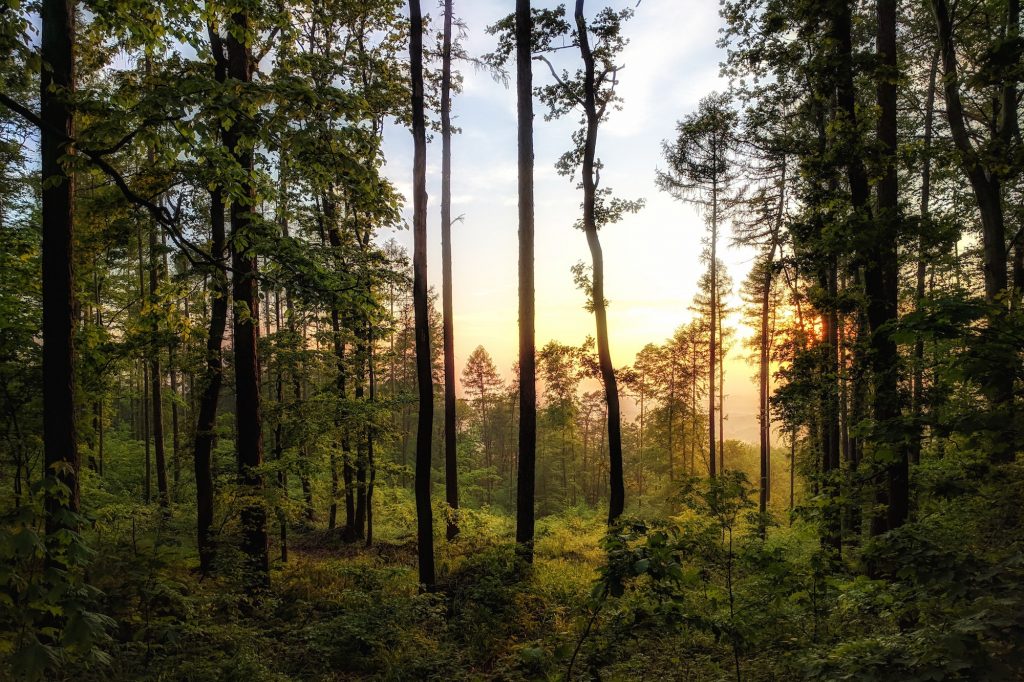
[{"x": 565, "y": 86}]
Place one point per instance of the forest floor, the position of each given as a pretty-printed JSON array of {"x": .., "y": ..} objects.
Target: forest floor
[{"x": 940, "y": 600}]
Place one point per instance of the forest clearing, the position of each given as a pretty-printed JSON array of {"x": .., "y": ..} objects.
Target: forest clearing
[{"x": 287, "y": 395}]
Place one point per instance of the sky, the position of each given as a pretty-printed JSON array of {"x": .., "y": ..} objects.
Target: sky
[{"x": 651, "y": 258}]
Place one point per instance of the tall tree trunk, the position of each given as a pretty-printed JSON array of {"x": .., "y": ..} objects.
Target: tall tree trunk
[
  {"x": 829, "y": 405},
  {"x": 147, "y": 486},
  {"x": 917, "y": 384},
  {"x": 245, "y": 290},
  {"x": 424, "y": 378},
  {"x": 333, "y": 234},
  {"x": 282, "y": 473},
  {"x": 451, "y": 471},
  {"x": 96, "y": 458},
  {"x": 721, "y": 390},
  {"x": 713, "y": 331},
  {"x": 370, "y": 434},
  {"x": 155, "y": 377},
  {"x": 985, "y": 183},
  {"x": 173, "y": 376},
  {"x": 526, "y": 474},
  {"x": 617, "y": 497},
  {"x": 213, "y": 379},
  {"x": 881, "y": 272},
  {"x": 57, "y": 84},
  {"x": 764, "y": 365}
]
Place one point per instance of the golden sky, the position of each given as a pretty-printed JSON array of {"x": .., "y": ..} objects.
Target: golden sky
[{"x": 651, "y": 258}]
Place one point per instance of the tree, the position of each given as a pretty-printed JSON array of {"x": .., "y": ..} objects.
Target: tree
[
  {"x": 60, "y": 444},
  {"x": 986, "y": 179},
  {"x": 700, "y": 170},
  {"x": 450, "y": 460},
  {"x": 424, "y": 377},
  {"x": 481, "y": 381},
  {"x": 592, "y": 90},
  {"x": 881, "y": 273},
  {"x": 245, "y": 292},
  {"x": 527, "y": 344},
  {"x": 762, "y": 214}
]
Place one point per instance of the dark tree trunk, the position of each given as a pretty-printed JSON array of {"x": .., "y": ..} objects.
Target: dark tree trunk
[
  {"x": 881, "y": 273},
  {"x": 526, "y": 474},
  {"x": 764, "y": 365},
  {"x": 214, "y": 373},
  {"x": 986, "y": 186},
  {"x": 713, "y": 333},
  {"x": 917, "y": 396},
  {"x": 245, "y": 291},
  {"x": 424, "y": 379},
  {"x": 829, "y": 405},
  {"x": 617, "y": 497},
  {"x": 57, "y": 83},
  {"x": 155, "y": 378},
  {"x": 451, "y": 470},
  {"x": 341, "y": 383}
]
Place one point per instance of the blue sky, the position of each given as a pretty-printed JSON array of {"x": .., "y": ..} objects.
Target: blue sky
[{"x": 651, "y": 258}]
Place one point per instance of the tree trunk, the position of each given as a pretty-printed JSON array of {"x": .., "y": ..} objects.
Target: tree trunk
[
  {"x": 57, "y": 84},
  {"x": 244, "y": 282},
  {"x": 451, "y": 471},
  {"x": 214, "y": 373},
  {"x": 713, "y": 331},
  {"x": 156, "y": 379},
  {"x": 881, "y": 272},
  {"x": 526, "y": 474},
  {"x": 985, "y": 183},
  {"x": 424, "y": 378},
  {"x": 764, "y": 417},
  {"x": 147, "y": 486},
  {"x": 617, "y": 497},
  {"x": 917, "y": 385}
]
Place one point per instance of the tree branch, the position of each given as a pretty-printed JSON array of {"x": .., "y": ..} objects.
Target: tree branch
[
  {"x": 160, "y": 214},
  {"x": 565, "y": 86}
]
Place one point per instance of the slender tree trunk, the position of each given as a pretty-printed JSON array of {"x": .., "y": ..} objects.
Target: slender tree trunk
[
  {"x": 917, "y": 387},
  {"x": 98, "y": 405},
  {"x": 245, "y": 284},
  {"x": 202, "y": 451},
  {"x": 370, "y": 433},
  {"x": 147, "y": 486},
  {"x": 764, "y": 417},
  {"x": 713, "y": 331},
  {"x": 156, "y": 378},
  {"x": 526, "y": 475},
  {"x": 617, "y": 497},
  {"x": 282, "y": 474},
  {"x": 882, "y": 271},
  {"x": 60, "y": 446},
  {"x": 986, "y": 185},
  {"x": 424, "y": 379},
  {"x": 451, "y": 471},
  {"x": 829, "y": 405}
]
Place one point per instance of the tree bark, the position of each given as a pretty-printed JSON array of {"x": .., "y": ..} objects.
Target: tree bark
[
  {"x": 214, "y": 373},
  {"x": 917, "y": 383},
  {"x": 451, "y": 471},
  {"x": 987, "y": 189},
  {"x": 881, "y": 272},
  {"x": 424, "y": 379},
  {"x": 245, "y": 291},
  {"x": 57, "y": 84},
  {"x": 526, "y": 474},
  {"x": 617, "y": 497}
]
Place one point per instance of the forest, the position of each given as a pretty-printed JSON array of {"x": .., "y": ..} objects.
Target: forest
[{"x": 245, "y": 434}]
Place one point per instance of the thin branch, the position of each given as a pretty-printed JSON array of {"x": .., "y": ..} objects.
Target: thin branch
[
  {"x": 569, "y": 93},
  {"x": 160, "y": 214}
]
